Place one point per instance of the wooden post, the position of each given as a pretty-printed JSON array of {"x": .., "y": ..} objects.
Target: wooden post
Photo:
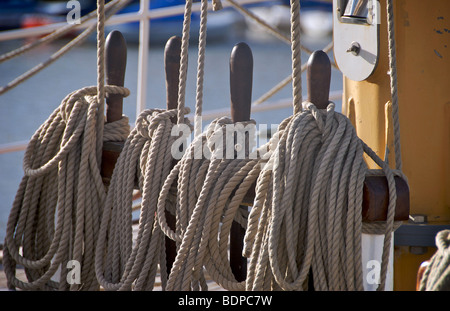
[
  {"x": 241, "y": 78},
  {"x": 115, "y": 61}
]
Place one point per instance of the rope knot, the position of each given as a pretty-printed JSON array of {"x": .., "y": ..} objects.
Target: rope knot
[
  {"x": 224, "y": 137},
  {"x": 324, "y": 119},
  {"x": 117, "y": 130},
  {"x": 149, "y": 119},
  {"x": 87, "y": 97}
]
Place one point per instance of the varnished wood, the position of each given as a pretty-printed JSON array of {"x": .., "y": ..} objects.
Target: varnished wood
[
  {"x": 115, "y": 66},
  {"x": 172, "y": 55},
  {"x": 241, "y": 80},
  {"x": 420, "y": 273},
  {"x": 318, "y": 76},
  {"x": 376, "y": 199}
]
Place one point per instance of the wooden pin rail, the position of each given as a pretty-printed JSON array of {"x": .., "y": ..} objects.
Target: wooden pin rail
[{"x": 375, "y": 191}]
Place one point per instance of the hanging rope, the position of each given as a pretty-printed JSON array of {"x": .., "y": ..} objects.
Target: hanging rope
[
  {"x": 207, "y": 198},
  {"x": 296, "y": 56},
  {"x": 307, "y": 210},
  {"x": 393, "y": 83},
  {"x": 317, "y": 154},
  {"x": 55, "y": 214},
  {"x": 210, "y": 190},
  {"x": 121, "y": 263}
]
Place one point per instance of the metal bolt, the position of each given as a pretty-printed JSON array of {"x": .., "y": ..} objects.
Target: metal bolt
[
  {"x": 418, "y": 219},
  {"x": 355, "y": 48}
]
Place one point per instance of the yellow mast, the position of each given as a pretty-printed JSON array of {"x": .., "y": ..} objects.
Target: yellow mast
[{"x": 422, "y": 34}]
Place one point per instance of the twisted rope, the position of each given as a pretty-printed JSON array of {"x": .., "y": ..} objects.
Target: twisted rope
[
  {"x": 184, "y": 60},
  {"x": 307, "y": 210},
  {"x": 393, "y": 82},
  {"x": 296, "y": 56}
]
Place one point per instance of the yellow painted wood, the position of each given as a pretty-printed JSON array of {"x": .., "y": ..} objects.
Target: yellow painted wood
[{"x": 423, "y": 68}]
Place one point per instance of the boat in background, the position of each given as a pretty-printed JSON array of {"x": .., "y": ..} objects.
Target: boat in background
[
  {"x": 15, "y": 14},
  {"x": 13, "y": 11},
  {"x": 220, "y": 24},
  {"x": 316, "y": 18}
]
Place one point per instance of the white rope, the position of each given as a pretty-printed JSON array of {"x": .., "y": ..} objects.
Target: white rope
[
  {"x": 210, "y": 190},
  {"x": 124, "y": 263},
  {"x": 56, "y": 212}
]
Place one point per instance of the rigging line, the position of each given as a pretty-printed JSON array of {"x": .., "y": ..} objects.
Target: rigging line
[
  {"x": 66, "y": 48},
  {"x": 56, "y": 34}
]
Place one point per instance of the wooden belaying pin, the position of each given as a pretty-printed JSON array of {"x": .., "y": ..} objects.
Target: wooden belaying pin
[
  {"x": 241, "y": 79},
  {"x": 375, "y": 191},
  {"x": 318, "y": 77},
  {"x": 172, "y": 56},
  {"x": 115, "y": 65}
]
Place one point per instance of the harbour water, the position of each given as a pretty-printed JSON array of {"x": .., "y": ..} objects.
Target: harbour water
[{"x": 24, "y": 108}]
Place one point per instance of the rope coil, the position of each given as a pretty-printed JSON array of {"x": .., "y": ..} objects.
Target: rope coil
[
  {"x": 437, "y": 274},
  {"x": 54, "y": 215},
  {"x": 121, "y": 263},
  {"x": 210, "y": 190}
]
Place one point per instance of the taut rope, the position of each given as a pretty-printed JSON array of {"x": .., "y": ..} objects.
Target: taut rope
[{"x": 110, "y": 9}]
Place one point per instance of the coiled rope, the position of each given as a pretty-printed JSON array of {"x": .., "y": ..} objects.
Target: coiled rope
[
  {"x": 210, "y": 190},
  {"x": 296, "y": 226},
  {"x": 437, "y": 274},
  {"x": 302, "y": 188},
  {"x": 121, "y": 263},
  {"x": 56, "y": 212},
  {"x": 307, "y": 210}
]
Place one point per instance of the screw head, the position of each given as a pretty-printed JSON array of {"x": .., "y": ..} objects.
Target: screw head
[{"x": 355, "y": 48}]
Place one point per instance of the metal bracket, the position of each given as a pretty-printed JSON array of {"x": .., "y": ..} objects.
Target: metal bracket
[
  {"x": 356, "y": 37},
  {"x": 418, "y": 232}
]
